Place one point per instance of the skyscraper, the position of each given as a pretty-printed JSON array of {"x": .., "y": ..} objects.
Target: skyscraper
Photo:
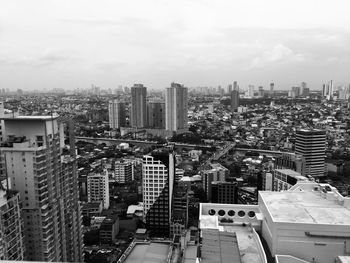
[
  {"x": 116, "y": 110},
  {"x": 311, "y": 144},
  {"x": 176, "y": 108},
  {"x": 156, "y": 115},
  {"x": 158, "y": 175},
  {"x": 234, "y": 100},
  {"x": 2, "y": 128},
  {"x": 272, "y": 86},
  {"x": 138, "y": 114},
  {"x": 48, "y": 187}
]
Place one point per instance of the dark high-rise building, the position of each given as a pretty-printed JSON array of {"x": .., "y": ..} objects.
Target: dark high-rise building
[
  {"x": 156, "y": 115},
  {"x": 311, "y": 144},
  {"x": 272, "y": 86},
  {"x": 224, "y": 192},
  {"x": 138, "y": 113},
  {"x": 234, "y": 100},
  {"x": 158, "y": 176}
]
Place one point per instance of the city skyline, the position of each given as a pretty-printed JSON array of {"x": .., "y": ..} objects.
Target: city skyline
[{"x": 50, "y": 44}]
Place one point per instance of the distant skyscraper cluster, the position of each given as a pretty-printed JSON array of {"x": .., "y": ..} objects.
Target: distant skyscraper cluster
[
  {"x": 327, "y": 90},
  {"x": 171, "y": 115}
]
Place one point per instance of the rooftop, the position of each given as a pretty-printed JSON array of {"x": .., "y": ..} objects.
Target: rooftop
[
  {"x": 292, "y": 173},
  {"x": 42, "y": 118},
  {"x": 148, "y": 253},
  {"x": 305, "y": 207}
]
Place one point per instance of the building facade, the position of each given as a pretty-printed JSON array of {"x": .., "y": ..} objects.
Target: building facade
[
  {"x": 116, "y": 113},
  {"x": 176, "y": 108},
  {"x": 123, "y": 172},
  {"x": 156, "y": 115},
  {"x": 224, "y": 192},
  {"x": 158, "y": 176},
  {"x": 311, "y": 144},
  {"x": 138, "y": 113},
  {"x": 234, "y": 100},
  {"x": 284, "y": 179},
  {"x": 11, "y": 226},
  {"x": 47, "y": 187},
  {"x": 98, "y": 188}
]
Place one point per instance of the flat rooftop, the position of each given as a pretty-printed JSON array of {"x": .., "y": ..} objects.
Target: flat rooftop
[
  {"x": 148, "y": 253},
  {"x": 304, "y": 207},
  {"x": 42, "y": 118}
]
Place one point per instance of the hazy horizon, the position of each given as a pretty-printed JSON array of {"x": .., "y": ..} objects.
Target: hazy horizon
[{"x": 47, "y": 44}]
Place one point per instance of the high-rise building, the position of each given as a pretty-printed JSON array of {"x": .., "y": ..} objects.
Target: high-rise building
[
  {"x": 250, "y": 91},
  {"x": 235, "y": 86},
  {"x": 117, "y": 118},
  {"x": 327, "y": 90},
  {"x": 138, "y": 114},
  {"x": 223, "y": 192},
  {"x": 158, "y": 176},
  {"x": 98, "y": 188},
  {"x": 156, "y": 115},
  {"x": 11, "y": 226},
  {"x": 311, "y": 144},
  {"x": 234, "y": 100},
  {"x": 123, "y": 172},
  {"x": 2, "y": 128},
  {"x": 176, "y": 108},
  {"x": 272, "y": 86},
  {"x": 47, "y": 186}
]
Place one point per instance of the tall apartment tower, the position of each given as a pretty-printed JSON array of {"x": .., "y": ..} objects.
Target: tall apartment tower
[
  {"x": 176, "y": 108},
  {"x": 98, "y": 188},
  {"x": 47, "y": 183},
  {"x": 234, "y": 100},
  {"x": 138, "y": 114},
  {"x": 2, "y": 127},
  {"x": 123, "y": 172},
  {"x": 158, "y": 175},
  {"x": 11, "y": 226},
  {"x": 311, "y": 144},
  {"x": 156, "y": 115},
  {"x": 116, "y": 113},
  {"x": 272, "y": 86}
]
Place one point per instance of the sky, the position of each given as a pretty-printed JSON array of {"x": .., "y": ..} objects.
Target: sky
[{"x": 69, "y": 44}]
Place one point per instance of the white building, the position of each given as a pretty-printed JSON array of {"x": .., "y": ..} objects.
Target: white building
[
  {"x": 98, "y": 188},
  {"x": 116, "y": 114},
  {"x": 308, "y": 223}
]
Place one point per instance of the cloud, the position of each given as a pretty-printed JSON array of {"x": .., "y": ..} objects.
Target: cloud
[{"x": 279, "y": 54}]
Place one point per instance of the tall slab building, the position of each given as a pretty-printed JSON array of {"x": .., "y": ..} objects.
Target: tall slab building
[
  {"x": 234, "y": 100},
  {"x": 116, "y": 114},
  {"x": 46, "y": 180},
  {"x": 158, "y": 175},
  {"x": 138, "y": 113},
  {"x": 311, "y": 144},
  {"x": 176, "y": 108},
  {"x": 156, "y": 115}
]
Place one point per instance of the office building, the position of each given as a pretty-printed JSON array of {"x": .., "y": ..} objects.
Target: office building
[
  {"x": 284, "y": 179},
  {"x": 116, "y": 113},
  {"x": 123, "y": 171},
  {"x": 138, "y": 113},
  {"x": 109, "y": 230},
  {"x": 47, "y": 183},
  {"x": 176, "y": 108},
  {"x": 158, "y": 176},
  {"x": 156, "y": 115},
  {"x": 235, "y": 86},
  {"x": 311, "y": 144},
  {"x": 250, "y": 93},
  {"x": 234, "y": 100},
  {"x": 11, "y": 226},
  {"x": 223, "y": 192},
  {"x": 98, "y": 188},
  {"x": 327, "y": 90},
  {"x": 272, "y": 86}
]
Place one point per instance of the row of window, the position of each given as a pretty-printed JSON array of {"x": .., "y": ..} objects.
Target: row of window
[{"x": 232, "y": 213}]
